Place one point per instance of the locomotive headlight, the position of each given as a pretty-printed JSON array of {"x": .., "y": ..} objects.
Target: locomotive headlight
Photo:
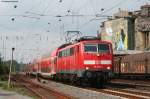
[
  {"x": 108, "y": 67},
  {"x": 106, "y": 62},
  {"x": 87, "y": 68}
]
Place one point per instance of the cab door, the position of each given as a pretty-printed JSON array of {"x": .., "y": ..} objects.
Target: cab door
[
  {"x": 77, "y": 57},
  {"x": 53, "y": 65}
]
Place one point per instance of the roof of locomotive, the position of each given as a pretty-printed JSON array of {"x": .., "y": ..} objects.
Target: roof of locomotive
[
  {"x": 81, "y": 40},
  {"x": 84, "y": 38}
]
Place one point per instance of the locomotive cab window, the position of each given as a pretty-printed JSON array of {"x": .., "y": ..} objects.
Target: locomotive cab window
[
  {"x": 67, "y": 52},
  {"x": 71, "y": 51},
  {"x": 98, "y": 48},
  {"x": 102, "y": 48},
  {"x": 90, "y": 47}
]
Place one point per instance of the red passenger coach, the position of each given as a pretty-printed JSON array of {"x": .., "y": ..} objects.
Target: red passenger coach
[
  {"x": 47, "y": 66},
  {"x": 53, "y": 62},
  {"x": 86, "y": 60},
  {"x": 32, "y": 68},
  {"x": 44, "y": 66}
]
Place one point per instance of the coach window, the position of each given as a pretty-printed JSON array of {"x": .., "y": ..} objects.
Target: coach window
[
  {"x": 63, "y": 53},
  {"x": 68, "y": 52}
]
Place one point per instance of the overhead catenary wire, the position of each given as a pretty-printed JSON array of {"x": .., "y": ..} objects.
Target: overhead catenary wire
[
  {"x": 10, "y": 1},
  {"x": 42, "y": 11},
  {"x": 30, "y": 16},
  {"x": 111, "y": 8},
  {"x": 101, "y": 14},
  {"x": 22, "y": 16}
]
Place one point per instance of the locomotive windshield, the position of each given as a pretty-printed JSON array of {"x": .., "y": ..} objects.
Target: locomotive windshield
[
  {"x": 103, "y": 48},
  {"x": 100, "y": 48},
  {"x": 90, "y": 48}
]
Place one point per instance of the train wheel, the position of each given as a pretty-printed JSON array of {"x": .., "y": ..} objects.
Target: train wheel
[
  {"x": 57, "y": 77},
  {"x": 100, "y": 82},
  {"x": 72, "y": 79},
  {"x": 60, "y": 78},
  {"x": 38, "y": 77},
  {"x": 84, "y": 82},
  {"x": 93, "y": 82},
  {"x": 78, "y": 81}
]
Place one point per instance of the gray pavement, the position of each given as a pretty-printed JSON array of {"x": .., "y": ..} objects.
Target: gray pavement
[{"x": 11, "y": 95}]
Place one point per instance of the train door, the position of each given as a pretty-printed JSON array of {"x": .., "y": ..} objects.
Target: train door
[
  {"x": 39, "y": 67},
  {"x": 76, "y": 58},
  {"x": 53, "y": 65}
]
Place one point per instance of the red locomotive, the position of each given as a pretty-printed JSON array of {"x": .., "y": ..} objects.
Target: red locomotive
[{"x": 88, "y": 60}]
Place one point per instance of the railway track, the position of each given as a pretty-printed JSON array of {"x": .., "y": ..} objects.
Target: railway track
[
  {"x": 139, "y": 84},
  {"x": 124, "y": 91},
  {"x": 137, "y": 89},
  {"x": 129, "y": 92},
  {"x": 41, "y": 92}
]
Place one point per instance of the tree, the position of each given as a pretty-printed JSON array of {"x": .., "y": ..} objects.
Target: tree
[{"x": 3, "y": 68}]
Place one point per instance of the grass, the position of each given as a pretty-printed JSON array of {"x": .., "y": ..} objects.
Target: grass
[
  {"x": 3, "y": 85},
  {"x": 16, "y": 88}
]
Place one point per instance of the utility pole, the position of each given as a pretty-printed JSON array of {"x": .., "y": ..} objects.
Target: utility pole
[{"x": 10, "y": 66}]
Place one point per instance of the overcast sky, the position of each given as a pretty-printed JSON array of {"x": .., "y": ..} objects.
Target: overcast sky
[{"x": 36, "y": 27}]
